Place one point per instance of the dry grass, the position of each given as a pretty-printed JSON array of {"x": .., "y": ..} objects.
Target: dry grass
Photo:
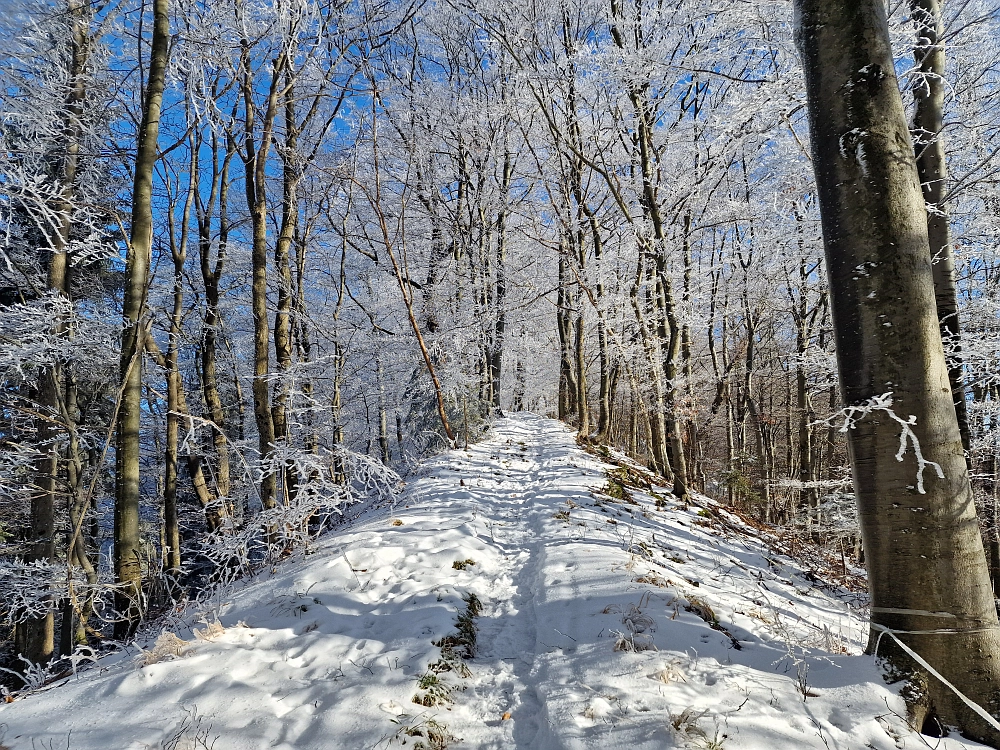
[
  {"x": 634, "y": 642},
  {"x": 211, "y": 631},
  {"x": 654, "y": 580},
  {"x": 168, "y": 646},
  {"x": 671, "y": 672}
]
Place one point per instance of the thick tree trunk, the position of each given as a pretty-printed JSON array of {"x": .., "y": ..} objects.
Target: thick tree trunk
[
  {"x": 127, "y": 554},
  {"x": 289, "y": 228},
  {"x": 927, "y": 570},
  {"x": 35, "y": 637}
]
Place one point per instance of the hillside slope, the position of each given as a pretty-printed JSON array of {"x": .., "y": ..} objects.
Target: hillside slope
[{"x": 602, "y": 623}]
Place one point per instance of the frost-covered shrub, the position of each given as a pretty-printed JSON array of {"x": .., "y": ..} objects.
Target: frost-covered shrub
[{"x": 319, "y": 485}]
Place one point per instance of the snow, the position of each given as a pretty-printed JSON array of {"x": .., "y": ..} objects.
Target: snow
[{"x": 595, "y": 632}]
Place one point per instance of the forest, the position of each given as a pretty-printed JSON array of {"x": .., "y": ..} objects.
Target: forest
[{"x": 260, "y": 258}]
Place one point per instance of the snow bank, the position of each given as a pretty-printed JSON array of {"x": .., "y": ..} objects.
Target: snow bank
[{"x": 605, "y": 623}]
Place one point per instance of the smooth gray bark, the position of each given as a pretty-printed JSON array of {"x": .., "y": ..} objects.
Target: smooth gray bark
[
  {"x": 928, "y": 142},
  {"x": 926, "y": 565}
]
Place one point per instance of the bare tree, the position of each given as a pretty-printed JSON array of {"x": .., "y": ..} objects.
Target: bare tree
[
  {"x": 127, "y": 554},
  {"x": 928, "y": 142},
  {"x": 927, "y": 571}
]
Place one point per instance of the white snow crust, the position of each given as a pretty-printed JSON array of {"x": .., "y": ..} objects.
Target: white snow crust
[{"x": 596, "y": 631}]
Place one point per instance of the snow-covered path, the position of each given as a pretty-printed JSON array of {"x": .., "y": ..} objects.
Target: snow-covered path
[{"x": 605, "y": 624}]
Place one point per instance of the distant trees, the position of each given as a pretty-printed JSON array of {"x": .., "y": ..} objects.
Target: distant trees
[{"x": 53, "y": 263}]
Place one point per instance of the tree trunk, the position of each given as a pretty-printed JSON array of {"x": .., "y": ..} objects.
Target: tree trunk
[
  {"x": 519, "y": 387},
  {"x": 927, "y": 570},
  {"x": 383, "y": 414},
  {"x": 687, "y": 427},
  {"x": 36, "y": 638},
  {"x": 606, "y": 388},
  {"x": 500, "y": 301},
  {"x": 667, "y": 325},
  {"x": 582, "y": 405},
  {"x": 178, "y": 252},
  {"x": 76, "y": 547},
  {"x": 211, "y": 274},
  {"x": 656, "y": 420},
  {"x": 564, "y": 324},
  {"x": 216, "y": 510},
  {"x": 405, "y": 287},
  {"x": 127, "y": 554},
  {"x": 928, "y": 143},
  {"x": 805, "y": 447},
  {"x": 256, "y": 192},
  {"x": 994, "y": 530},
  {"x": 282, "y": 263},
  {"x": 670, "y": 332}
]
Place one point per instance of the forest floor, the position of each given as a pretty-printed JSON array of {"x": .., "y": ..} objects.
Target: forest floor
[{"x": 596, "y": 622}]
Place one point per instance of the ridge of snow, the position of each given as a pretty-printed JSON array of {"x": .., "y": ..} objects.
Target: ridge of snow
[{"x": 604, "y": 625}]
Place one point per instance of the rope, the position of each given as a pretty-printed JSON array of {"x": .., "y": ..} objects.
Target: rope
[
  {"x": 918, "y": 612},
  {"x": 922, "y": 662}
]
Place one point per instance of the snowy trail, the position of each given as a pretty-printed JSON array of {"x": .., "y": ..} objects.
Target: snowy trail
[{"x": 605, "y": 624}]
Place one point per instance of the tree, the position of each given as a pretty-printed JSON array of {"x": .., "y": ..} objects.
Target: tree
[
  {"x": 927, "y": 571},
  {"x": 928, "y": 142},
  {"x": 38, "y": 635},
  {"x": 127, "y": 556},
  {"x": 55, "y": 192},
  {"x": 255, "y": 157}
]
